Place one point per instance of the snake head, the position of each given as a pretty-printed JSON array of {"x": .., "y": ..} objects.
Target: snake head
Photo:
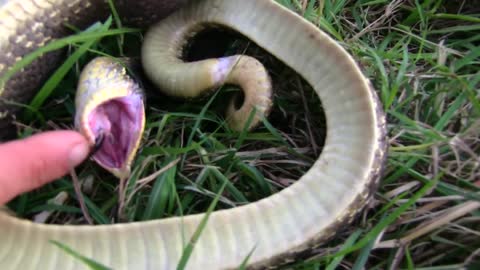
[{"x": 110, "y": 114}]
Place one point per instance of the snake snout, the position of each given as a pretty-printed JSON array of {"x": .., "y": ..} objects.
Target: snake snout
[{"x": 111, "y": 114}]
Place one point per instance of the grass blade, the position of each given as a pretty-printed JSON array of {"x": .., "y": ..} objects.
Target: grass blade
[
  {"x": 187, "y": 251},
  {"x": 88, "y": 262}
]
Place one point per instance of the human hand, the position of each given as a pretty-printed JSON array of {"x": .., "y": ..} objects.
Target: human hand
[{"x": 32, "y": 162}]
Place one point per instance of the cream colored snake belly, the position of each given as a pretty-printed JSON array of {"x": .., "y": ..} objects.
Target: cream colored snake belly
[{"x": 277, "y": 228}]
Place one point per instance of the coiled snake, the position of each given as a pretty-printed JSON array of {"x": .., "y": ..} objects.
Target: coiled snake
[{"x": 276, "y": 228}]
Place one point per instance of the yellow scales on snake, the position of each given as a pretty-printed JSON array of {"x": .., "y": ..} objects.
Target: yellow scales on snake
[{"x": 276, "y": 228}]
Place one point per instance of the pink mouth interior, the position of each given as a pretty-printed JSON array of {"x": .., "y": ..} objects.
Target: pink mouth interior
[{"x": 116, "y": 126}]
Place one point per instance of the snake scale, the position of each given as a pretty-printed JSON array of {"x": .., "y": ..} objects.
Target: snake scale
[{"x": 277, "y": 228}]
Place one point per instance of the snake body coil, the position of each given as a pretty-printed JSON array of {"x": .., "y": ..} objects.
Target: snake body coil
[{"x": 276, "y": 228}]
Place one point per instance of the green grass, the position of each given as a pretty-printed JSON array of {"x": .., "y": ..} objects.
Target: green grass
[{"x": 423, "y": 57}]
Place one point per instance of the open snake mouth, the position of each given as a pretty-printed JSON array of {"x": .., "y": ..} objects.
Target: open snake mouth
[{"x": 117, "y": 126}]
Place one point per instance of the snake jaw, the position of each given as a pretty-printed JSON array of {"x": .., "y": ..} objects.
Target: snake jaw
[
  {"x": 110, "y": 114},
  {"x": 117, "y": 125}
]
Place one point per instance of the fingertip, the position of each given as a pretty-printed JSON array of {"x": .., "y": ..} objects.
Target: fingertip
[
  {"x": 78, "y": 154},
  {"x": 29, "y": 163}
]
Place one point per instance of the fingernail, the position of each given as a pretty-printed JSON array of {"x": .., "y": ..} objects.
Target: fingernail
[{"x": 78, "y": 154}]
